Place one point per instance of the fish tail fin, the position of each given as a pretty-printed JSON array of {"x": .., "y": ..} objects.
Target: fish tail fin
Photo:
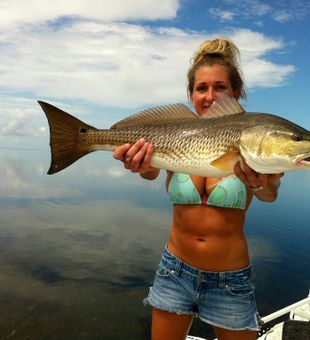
[{"x": 65, "y": 133}]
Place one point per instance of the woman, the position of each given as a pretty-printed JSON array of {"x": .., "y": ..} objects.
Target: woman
[{"x": 205, "y": 267}]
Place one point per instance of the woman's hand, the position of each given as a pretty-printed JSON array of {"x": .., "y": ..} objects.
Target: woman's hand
[
  {"x": 264, "y": 186},
  {"x": 137, "y": 158}
]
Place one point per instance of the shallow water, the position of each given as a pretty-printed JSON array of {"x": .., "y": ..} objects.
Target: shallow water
[{"x": 78, "y": 249}]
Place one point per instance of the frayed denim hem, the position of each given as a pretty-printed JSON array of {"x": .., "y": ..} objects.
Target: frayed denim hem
[
  {"x": 211, "y": 323},
  {"x": 147, "y": 302}
]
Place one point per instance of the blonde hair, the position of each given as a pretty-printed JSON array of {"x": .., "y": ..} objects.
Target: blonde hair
[{"x": 220, "y": 51}]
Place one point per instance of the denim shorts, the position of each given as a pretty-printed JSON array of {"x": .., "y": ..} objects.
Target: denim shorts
[{"x": 222, "y": 299}]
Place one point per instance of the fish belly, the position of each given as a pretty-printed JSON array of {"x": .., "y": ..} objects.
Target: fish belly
[{"x": 204, "y": 170}]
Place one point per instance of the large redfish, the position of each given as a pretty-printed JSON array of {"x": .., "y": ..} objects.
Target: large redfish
[{"x": 184, "y": 142}]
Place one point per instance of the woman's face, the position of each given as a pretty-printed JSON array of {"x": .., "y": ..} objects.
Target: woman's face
[{"x": 210, "y": 82}]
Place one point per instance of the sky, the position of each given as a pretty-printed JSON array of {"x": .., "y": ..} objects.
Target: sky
[{"x": 102, "y": 61}]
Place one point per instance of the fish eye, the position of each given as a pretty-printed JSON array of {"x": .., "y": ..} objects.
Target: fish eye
[{"x": 297, "y": 138}]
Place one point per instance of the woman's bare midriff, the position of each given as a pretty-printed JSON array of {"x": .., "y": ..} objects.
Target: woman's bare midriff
[
  {"x": 206, "y": 237},
  {"x": 209, "y": 238}
]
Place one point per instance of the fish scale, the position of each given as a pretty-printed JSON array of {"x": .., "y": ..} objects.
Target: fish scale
[{"x": 165, "y": 138}]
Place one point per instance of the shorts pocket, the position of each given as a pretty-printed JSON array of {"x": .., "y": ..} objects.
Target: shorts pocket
[
  {"x": 240, "y": 289},
  {"x": 164, "y": 270}
]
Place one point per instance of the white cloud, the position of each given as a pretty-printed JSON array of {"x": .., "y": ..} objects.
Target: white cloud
[
  {"x": 223, "y": 15},
  {"x": 245, "y": 9},
  {"x": 261, "y": 73},
  {"x": 257, "y": 10},
  {"x": 227, "y": 15},
  {"x": 283, "y": 16},
  {"x": 114, "y": 64},
  {"x": 258, "y": 71},
  {"x": 34, "y": 11},
  {"x": 16, "y": 116}
]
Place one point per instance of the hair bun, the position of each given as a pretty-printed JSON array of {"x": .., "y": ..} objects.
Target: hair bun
[{"x": 220, "y": 47}]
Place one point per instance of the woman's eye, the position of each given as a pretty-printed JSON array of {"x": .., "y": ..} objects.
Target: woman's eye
[
  {"x": 221, "y": 87},
  {"x": 201, "y": 88}
]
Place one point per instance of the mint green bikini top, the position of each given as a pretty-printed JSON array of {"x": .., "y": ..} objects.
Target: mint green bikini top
[{"x": 228, "y": 193}]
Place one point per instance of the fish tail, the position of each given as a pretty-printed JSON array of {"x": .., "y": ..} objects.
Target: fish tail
[{"x": 65, "y": 131}]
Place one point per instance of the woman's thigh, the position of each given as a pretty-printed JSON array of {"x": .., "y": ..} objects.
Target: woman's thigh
[
  {"x": 227, "y": 334},
  {"x": 167, "y": 326}
]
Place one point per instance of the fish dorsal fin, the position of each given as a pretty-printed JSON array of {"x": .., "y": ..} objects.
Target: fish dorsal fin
[
  {"x": 223, "y": 105},
  {"x": 157, "y": 114}
]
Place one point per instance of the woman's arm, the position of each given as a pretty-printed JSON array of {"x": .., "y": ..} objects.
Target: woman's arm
[
  {"x": 264, "y": 186},
  {"x": 137, "y": 158}
]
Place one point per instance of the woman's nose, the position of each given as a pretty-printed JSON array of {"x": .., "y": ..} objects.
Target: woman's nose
[{"x": 210, "y": 96}]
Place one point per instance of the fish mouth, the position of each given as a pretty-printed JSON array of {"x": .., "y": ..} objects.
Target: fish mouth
[{"x": 303, "y": 159}]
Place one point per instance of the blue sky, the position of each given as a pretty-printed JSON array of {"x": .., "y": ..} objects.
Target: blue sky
[{"x": 103, "y": 60}]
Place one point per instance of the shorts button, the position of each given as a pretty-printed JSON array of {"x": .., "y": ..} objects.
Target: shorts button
[{"x": 200, "y": 277}]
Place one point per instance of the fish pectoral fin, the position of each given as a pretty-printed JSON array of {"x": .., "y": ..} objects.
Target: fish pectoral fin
[{"x": 227, "y": 161}]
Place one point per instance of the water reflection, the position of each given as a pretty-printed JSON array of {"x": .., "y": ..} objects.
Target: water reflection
[{"x": 78, "y": 249}]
